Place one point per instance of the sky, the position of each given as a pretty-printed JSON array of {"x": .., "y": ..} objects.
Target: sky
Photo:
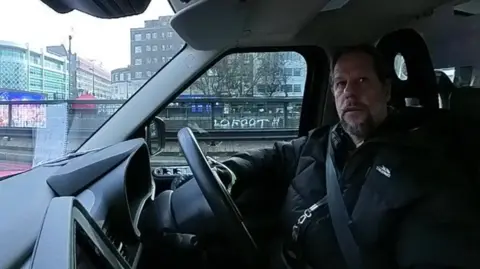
[{"x": 107, "y": 41}]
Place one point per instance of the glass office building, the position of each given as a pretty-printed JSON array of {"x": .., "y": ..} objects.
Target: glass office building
[{"x": 24, "y": 69}]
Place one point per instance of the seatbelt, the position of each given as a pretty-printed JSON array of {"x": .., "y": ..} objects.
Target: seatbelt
[{"x": 338, "y": 212}]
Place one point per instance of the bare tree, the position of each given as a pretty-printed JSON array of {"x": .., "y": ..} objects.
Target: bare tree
[
  {"x": 270, "y": 73},
  {"x": 229, "y": 77},
  {"x": 237, "y": 75}
]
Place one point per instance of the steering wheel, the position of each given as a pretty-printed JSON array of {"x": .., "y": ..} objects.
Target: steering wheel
[{"x": 217, "y": 196}]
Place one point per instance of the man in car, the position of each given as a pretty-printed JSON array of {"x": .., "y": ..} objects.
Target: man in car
[
  {"x": 405, "y": 184},
  {"x": 406, "y": 177}
]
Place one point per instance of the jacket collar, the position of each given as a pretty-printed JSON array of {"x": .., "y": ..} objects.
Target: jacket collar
[{"x": 397, "y": 123}]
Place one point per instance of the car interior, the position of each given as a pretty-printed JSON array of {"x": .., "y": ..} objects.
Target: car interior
[{"x": 106, "y": 206}]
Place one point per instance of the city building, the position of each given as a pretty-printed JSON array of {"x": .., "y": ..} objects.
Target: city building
[
  {"x": 279, "y": 74},
  {"x": 30, "y": 70},
  {"x": 295, "y": 72},
  {"x": 123, "y": 86},
  {"x": 87, "y": 76},
  {"x": 151, "y": 47},
  {"x": 92, "y": 78}
]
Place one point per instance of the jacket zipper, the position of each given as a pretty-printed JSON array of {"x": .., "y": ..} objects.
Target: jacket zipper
[
  {"x": 349, "y": 159},
  {"x": 356, "y": 151}
]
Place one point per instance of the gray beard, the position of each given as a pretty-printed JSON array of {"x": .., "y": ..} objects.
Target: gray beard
[{"x": 359, "y": 131}]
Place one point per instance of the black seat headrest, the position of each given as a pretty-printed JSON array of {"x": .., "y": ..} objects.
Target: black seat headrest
[
  {"x": 421, "y": 82},
  {"x": 465, "y": 101}
]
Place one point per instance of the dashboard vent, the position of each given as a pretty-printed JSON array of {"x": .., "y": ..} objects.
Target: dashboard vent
[{"x": 119, "y": 245}]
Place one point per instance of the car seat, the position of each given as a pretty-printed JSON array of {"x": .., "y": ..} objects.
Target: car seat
[{"x": 421, "y": 80}]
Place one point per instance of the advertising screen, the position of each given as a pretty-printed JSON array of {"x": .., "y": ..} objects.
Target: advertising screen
[{"x": 23, "y": 115}]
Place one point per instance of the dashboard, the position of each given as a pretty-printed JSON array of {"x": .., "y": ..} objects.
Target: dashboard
[
  {"x": 81, "y": 212},
  {"x": 72, "y": 239}
]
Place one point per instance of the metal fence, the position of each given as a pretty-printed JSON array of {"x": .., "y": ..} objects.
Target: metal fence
[{"x": 237, "y": 115}]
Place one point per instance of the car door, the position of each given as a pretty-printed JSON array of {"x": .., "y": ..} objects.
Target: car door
[{"x": 245, "y": 101}]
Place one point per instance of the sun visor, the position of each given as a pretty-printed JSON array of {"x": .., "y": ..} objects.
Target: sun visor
[{"x": 211, "y": 24}]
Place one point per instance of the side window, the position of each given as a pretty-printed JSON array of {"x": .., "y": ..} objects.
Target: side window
[{"x": 245, "y": 101}]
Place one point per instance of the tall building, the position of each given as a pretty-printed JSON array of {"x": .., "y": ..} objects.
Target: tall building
[
  {"x": 123, "y": 86},
  {"x": 87, "y": 76},
  {"x": 26, "y": 69},
  {"x": 151, "y": 47},
  {"x": 92, "y": 78},
  {"x": 295, "y": 72},
  {"x": 279, "y": 74}
]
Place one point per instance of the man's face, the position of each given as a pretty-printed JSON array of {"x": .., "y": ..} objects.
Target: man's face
[{"x": 360, "y": 97}]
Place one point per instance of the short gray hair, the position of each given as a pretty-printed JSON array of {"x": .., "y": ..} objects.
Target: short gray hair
[{"x": 379, "y": 64}]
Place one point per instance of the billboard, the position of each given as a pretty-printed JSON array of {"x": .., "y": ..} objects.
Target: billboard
[{"x": 23, "y": 115}]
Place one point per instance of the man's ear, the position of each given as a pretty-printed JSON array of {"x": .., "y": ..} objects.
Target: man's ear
[{"x": 387, "y": 87}]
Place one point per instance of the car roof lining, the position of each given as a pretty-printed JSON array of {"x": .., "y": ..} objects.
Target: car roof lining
[
  {"x": 447, "y": 34},
  {"x": 335, "y": 28},
  {"x": 291, "y": 23}
]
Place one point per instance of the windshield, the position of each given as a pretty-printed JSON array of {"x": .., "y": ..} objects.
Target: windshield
[{"x": 63, "y": 75}]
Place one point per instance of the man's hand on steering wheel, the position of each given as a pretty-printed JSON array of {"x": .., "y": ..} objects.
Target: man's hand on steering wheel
[
  {"x": 224, "y": 175},
  {"x": 217, "y": 195}
]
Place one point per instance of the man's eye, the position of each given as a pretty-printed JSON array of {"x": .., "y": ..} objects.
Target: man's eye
[
  {"x": 363, "y": 80},
  {"x": 340, "y": 84}
]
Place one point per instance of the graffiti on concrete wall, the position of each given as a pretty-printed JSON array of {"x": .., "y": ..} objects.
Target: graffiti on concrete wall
[{"x": 249, "y": 123}]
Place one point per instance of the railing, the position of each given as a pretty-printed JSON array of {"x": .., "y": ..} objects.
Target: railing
[
  {"x": 214, "y": 118},
  {"x": 171, "y": 135},
  {"x": 237, "y": 123}
]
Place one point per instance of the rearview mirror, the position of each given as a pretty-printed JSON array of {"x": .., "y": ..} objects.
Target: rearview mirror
[{"x": 156, "y": 136}]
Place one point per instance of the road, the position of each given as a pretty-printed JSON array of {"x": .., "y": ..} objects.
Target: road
[
  {"x": 170, "y": 163},
  {"x": 20, "y": 152},
  {"x": 9, "y": 168}
]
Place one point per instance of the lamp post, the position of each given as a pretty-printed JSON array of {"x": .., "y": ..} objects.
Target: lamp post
[
  {"x": 93, "y": 80},
  {"x": 73, "y": 92},
  {"x": 128, "y": 88},
  {"x": 93, "y": 76},
  {"x": 70, "y": 82}
]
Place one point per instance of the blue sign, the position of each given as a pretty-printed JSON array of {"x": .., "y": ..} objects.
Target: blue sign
[
  {"x": 8, "y": 95},
  {"x": 197, "y": 107}
]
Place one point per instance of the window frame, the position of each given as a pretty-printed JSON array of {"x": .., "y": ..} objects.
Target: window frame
[
  {"x": 315, "y": 88},
  {"x": 314, "y": 98}
]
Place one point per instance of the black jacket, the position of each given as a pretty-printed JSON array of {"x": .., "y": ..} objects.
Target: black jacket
[{"x": 411, "y": 190}]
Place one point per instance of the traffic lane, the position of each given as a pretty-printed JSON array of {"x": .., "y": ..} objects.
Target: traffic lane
[
  {"x": 170, "y": 163},
  {"x": 26, "y": 144},
  {"x": 23, "y": 161},
  {"x": 21, "y": 158}
]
